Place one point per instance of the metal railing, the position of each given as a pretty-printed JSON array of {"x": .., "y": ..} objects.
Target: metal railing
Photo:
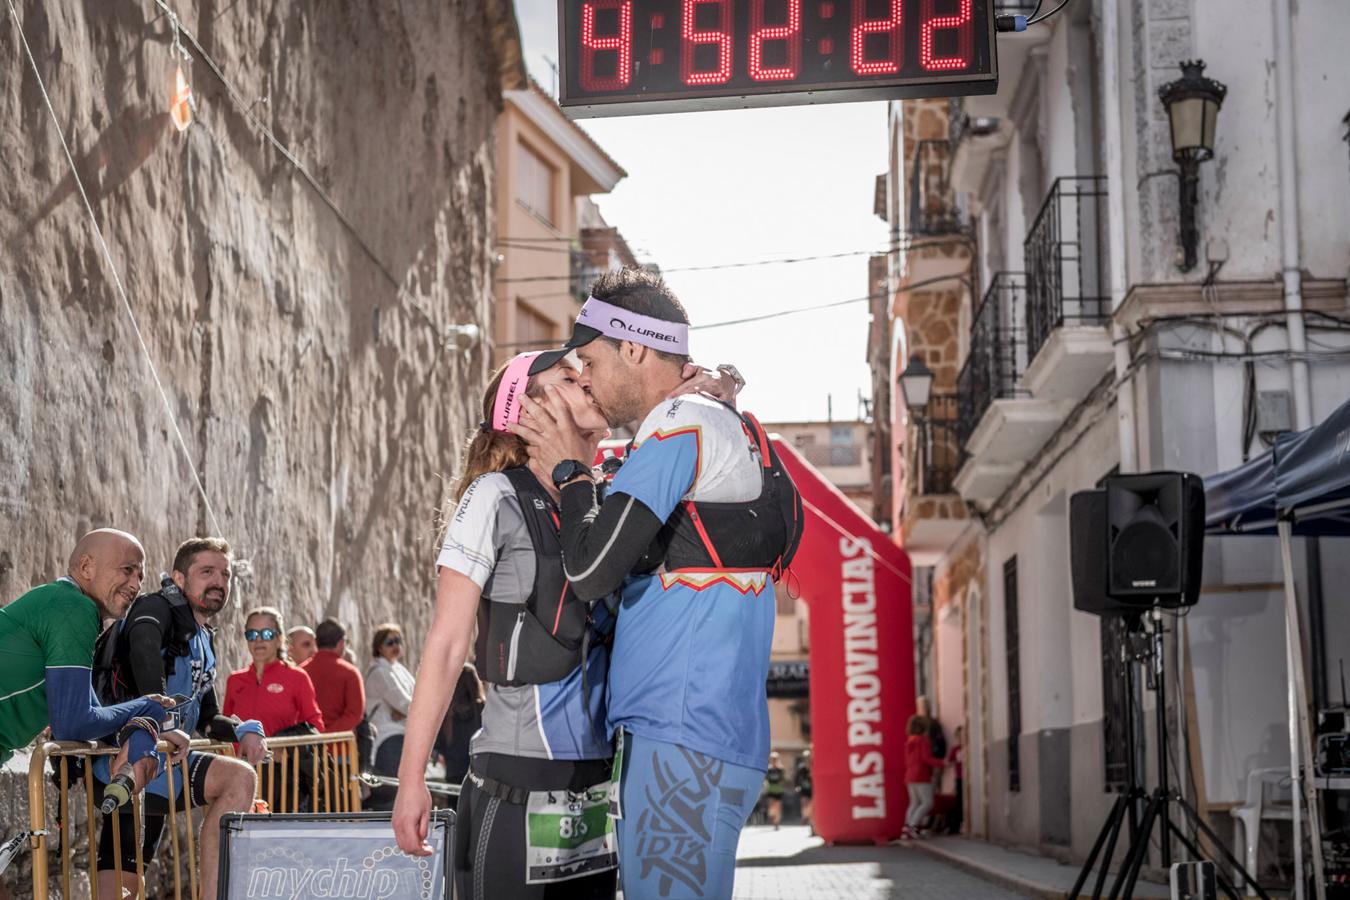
[
  {"x": 937, "y": 451},
  {"x": 998, "y": 352},
  {"x": 332, "y": 786},
  {"x": 932, "y": 202},
  {"x": 1066, "y": 259}
]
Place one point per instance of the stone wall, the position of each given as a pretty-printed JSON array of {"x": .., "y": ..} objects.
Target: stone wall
[{"x": 302, "y": 357}]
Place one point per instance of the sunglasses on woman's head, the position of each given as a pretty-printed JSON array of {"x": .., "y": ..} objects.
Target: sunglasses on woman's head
[
  {"x": 259, "y": 634},
  {"x": 393, "y": 641}
]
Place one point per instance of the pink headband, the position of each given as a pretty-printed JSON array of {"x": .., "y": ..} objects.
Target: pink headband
[
  {"x": 620, "y": 324},
  {"x": 506, "y": 407}
]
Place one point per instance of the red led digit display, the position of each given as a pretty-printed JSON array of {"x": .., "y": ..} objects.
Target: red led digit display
[
  {"x": 618, "y": 45},
  {"x": 788, "y": 34},
  {"x": 888, "y": 28},
  {"x": 694, "y": 67},
  {"x": 933, "y": 23},
  {"x": 632, "y": 56}
]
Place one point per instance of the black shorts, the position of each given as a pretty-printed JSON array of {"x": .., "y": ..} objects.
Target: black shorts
[
  {"x": 490, "y": 850},
  {"x": 156, "y": 811}
]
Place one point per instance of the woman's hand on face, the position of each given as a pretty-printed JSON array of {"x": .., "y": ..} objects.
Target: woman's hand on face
[
  {"x": 412, "y": 816},
  {"x": 550, "y": 429}
]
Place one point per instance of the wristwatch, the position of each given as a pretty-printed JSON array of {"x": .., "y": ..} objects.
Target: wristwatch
[
  {"x": 568, "y": 469},
  {"x": 735, "y": 374}
]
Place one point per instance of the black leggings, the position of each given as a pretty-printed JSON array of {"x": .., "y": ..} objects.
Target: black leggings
[{"x": 490, "y": 833}]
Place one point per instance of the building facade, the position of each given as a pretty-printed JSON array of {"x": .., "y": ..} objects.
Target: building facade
[
  {"x": 279, "y": 371},
  {"x": 550, "y": 236},
  {"x": 842, "y": 451},
  {"x": 1038, "y": 273}
]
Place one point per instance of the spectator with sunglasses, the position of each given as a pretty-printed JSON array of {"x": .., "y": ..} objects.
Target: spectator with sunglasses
[
  {"x": 389, "y": 690},
  {"x": 272, "y": 689}
]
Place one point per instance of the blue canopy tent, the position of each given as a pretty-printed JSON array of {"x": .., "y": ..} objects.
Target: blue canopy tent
[{"x": 1301, "y": 486}]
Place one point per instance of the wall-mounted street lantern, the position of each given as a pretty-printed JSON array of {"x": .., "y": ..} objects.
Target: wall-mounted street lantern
[
  {"x": 1192, "y": 103},
  {"x": 916, "y": 385}
]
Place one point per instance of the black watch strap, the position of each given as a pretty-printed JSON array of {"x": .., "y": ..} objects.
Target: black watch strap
[{"x": 568, "y": 469}]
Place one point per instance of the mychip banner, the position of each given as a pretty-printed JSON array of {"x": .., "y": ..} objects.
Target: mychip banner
[{"x": 321, "y": 857}]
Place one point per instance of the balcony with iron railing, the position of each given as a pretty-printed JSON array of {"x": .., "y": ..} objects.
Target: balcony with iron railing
[
  {"x": 933, "y": 208},
  {"x": 936, "y": 217},
  {"x": 1068, "y": 300},
  {"x": 999, "y": 425},
  {"x": 997, "y": 352},
  {"x": 937, "y": 449},
  {"x": 934, "y": 516}
]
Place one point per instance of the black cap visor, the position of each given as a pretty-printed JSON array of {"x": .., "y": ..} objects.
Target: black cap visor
[
  {"x": 581, "y": 336},
  {"x": 547, "y": 360}
]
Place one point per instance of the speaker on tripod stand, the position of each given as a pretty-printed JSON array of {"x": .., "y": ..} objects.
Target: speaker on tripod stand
[
  {"x": 1137, "y": 543},
  {"x": 1136, "y": 549}
]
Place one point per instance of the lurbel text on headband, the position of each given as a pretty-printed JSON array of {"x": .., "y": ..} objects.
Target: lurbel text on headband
[{"x": 624, "y": 325}]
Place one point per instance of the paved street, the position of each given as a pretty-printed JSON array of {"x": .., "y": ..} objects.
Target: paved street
[{"x": 789, "y": 864}]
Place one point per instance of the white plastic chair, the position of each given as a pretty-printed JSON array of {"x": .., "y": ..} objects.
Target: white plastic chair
[{"x": 1277, "y": 805}]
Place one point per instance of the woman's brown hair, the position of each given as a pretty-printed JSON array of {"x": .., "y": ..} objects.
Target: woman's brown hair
[
  {"x": 468, "y": 697},
  {"x": 917, "y": 724},
  {"x": 488, "y": 450},
  {"x": 381, "y": 632}
]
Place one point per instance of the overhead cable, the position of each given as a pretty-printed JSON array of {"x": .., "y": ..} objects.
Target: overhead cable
[
  {"x": 117, "y": 279},
  {"x": 784, "y": 260}
]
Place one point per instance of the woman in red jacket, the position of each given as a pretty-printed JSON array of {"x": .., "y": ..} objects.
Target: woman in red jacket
[
  {"x": 271, "y": 690},
  {"x": 919, "y": 767}
]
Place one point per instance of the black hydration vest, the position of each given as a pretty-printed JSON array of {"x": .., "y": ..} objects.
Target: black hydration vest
[
  {"x": 752, "y": 535},
  {"x": 537, "y": 639}
]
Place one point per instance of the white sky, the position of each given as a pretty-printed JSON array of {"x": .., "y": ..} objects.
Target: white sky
[{"x": 732, "y": 186}]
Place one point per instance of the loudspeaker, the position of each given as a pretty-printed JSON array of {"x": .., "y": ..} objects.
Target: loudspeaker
[
  {"x": 1155, "y": 532},
  {"x": 1087, "y": 555}
]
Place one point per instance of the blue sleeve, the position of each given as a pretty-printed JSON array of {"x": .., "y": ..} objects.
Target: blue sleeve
[
  {"x": 662, "y": 470},
  {"x": 75, "y": 713}
]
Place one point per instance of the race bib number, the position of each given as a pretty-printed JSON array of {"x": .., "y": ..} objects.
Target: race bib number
[
  {"x": 616, "y": 777},
  {"x": 568, "y": 835}
]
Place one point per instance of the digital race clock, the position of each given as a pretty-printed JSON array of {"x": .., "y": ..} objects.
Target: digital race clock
[{"x": 620, "y": 57}]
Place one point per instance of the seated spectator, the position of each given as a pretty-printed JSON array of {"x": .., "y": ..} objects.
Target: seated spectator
[
  {"x": 300, "y": 644},
  {"x": 389, "y": 689},
  {"x": 462, "y": 721},
  {"x": 337, "y": 683}
]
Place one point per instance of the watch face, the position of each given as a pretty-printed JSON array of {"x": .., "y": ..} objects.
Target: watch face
[{"x": 566, "y": 471}]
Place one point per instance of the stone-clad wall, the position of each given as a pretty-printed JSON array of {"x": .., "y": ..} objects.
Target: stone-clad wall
[{"x": 317, "y": 401}]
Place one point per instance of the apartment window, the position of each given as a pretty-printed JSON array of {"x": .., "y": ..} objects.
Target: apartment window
[
  {"x": 1012, "y": 653},
  {"x": 532, "y": 329},
  {"x": 534, "y": 182}
]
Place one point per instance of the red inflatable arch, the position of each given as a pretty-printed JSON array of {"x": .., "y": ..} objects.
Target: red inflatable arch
[{"x": 856, "y": 582}]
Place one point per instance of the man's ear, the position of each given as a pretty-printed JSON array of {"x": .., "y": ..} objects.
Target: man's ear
[
  {"x": 632, "y": 352},
  {"x": 84, "y": 567},
  {"x": 179, "y": 579}
]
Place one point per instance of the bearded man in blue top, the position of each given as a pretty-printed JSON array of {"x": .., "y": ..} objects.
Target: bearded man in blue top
[{"x": 691, "y": 647}]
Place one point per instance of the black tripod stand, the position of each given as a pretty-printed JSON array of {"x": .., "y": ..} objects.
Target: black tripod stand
[{"x": 1147, "y": 646}]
